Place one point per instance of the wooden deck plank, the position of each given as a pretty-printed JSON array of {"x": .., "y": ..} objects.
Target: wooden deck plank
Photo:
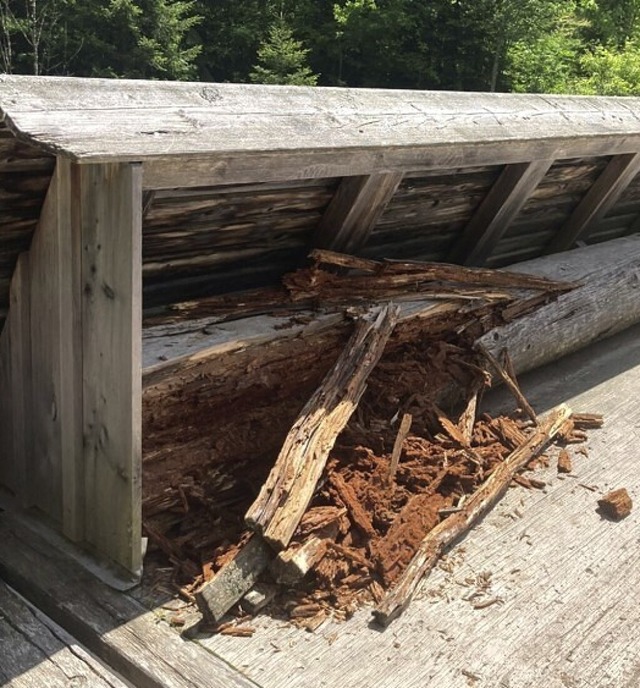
[
  {"x": 35, "y": 653},
  {"x": 110, "y": 624},
  {"x": 567, "y": 578}
]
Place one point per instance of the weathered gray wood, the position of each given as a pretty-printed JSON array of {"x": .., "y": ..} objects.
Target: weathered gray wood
[
  {"x": 354, "y": 211},
  {"x": 600, "y": 198},
  {"x": 499, "y": 209},
  {"x": 220, "y": 131},
  {"x": 606, "y": 303},
  {"x": 110, "y": 624},
  {"x": 36, "y": 653},
  {"x": 20, "y": 387},
  {"x": 234, "y": 580},
  {"x": 49, "y": 347},
  {"x": 109, "y": 210}
]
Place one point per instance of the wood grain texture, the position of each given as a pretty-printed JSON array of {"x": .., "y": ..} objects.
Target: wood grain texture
[
  {"x": 110, "y": 624},
  {"x": 600, "y": 198},
  {"x": 354, "y": 211},
  {"x": 567, "y": 579},
  {"x": 109, "y": 202},
  {"x": 166, "y": 120},
  {"x": 498, "y": 210},
  {"x": 36, "y": 652},
  {"x": 606, "y": 303},
  {"x": 21, "y": 390}
]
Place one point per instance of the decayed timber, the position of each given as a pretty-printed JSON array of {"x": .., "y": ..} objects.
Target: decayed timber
[
  {"x": 498, "y": 210},
  {"x": 354, "y": 211},
  {"x": 600, "y": 198},
  {"x": 112, "y": 625},
  {"x": 292, "y": 564},
  {"x": 286, "y": 493},
  {"x": 234, "y": 580},
  {"x": 606, "y": 303},
  {"x": 454, "y": 526}
]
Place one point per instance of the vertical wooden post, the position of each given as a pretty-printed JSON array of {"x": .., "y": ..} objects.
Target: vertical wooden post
[
  {"x": 19, "y": 323},
  {"x": 108, "y": 199}
]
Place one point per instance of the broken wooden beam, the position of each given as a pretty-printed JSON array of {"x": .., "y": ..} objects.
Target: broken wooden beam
[
  {"x": 285, "y": 495},
  {"x": 292, "y": 564},
  {"x": 234, "y": 580},
  {"x": 476, "y": 506},
  {"x": 605, "y": 303}
]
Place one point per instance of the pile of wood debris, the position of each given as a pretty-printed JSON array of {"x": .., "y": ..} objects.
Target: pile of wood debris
[{"x": 374, "y": 480}]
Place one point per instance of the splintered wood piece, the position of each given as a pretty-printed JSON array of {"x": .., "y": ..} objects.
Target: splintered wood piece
[
  {"x": 565, "y": 464},
  {"x": 286, "y": 494},
  {"x": 587, "y": 421},
  {"x": 357, "y": 512},
  {"x": 468, "y": 417},
  {"x": 258, "y": 598},
  {"x": 616, "y": 504},
  {"x": 476, "y": 506},
  {"x": 292, "y": 564},
  {"x": 442, "y": 272},
  {"x": 403, "y": 431},
  {"x": 234, "y": 580},
  {"x": 510, "y": 382}
]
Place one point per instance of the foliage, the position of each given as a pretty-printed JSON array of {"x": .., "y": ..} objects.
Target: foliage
[
  {"x": 561, "y": 46},
  {"x": 282, "y": 59}
]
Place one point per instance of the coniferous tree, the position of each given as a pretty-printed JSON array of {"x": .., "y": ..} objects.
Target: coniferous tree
[{"x": 282, "y": 59}]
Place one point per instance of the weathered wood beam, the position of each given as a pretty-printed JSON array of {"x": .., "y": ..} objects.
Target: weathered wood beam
[
  {"x": 278, "y": 166},
  {"x": 605, "y": 303},
  {"x": 597, "y": 202},
  {"x": 355, "y": 210},
  {"x": 109, "y": 212},
  {"x": 498, "y": 210}
]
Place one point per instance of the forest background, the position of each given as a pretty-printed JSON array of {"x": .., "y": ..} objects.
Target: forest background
[{"x": 540, "y": 46}]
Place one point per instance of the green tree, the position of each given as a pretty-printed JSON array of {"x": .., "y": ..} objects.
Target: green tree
[{"x": 282, "y": 59}]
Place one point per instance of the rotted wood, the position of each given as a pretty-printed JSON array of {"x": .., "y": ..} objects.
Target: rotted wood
[
  {"x": 286, "y": 493},
  {"x": 354, "y": 211},
  {"x": 457, "y": 524},
  {"x": 498, "y": 210},
  {"x": 600, "y": 198}
]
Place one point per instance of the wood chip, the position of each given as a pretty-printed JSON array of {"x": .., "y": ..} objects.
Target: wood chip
[
  {"x": 616, "y": 505},
  {"x": 565, "y": 465}
]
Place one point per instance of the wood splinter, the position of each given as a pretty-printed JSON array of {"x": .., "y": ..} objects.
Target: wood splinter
[
  {"x": 476, "y": 506},
  {"x": 403, "y": 431},
  {"x": 509, "y": 381}
]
